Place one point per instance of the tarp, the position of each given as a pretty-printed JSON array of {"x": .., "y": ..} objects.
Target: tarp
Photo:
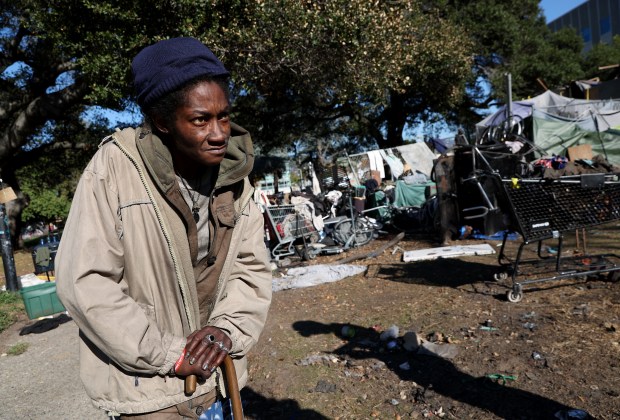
[
  {"x": 559, "y": 123},
  {"x": 414, "y": 157}
]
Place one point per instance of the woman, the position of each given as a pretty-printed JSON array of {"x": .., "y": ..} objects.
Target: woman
[{"x": 162, "y": 263}]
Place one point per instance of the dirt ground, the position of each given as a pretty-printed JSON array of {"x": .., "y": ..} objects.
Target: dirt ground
[{"x": 553, "y": 355}]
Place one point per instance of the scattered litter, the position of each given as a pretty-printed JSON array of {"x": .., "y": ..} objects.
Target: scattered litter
[
  {"x": 313, "y": 275},
  {"x": 529, "y": 326},
  {"x": 411, "y": 341},
  {"x": 537, "y": 356},
  {"x": 552, "y": 250},
  {"x": 29, "y": 280},
  {"x": 348, "y": 331},
  {"x": 485, "y": 328},
  {"x": 446, "y": 351},
  {"x": 447, "y": 252},
  {"x": 572, "y": 415},
  {"x": 324, "y": 387},
  {"x": 582, "y": 309},
  {"x": 396, "y": 249},
  {"x": 316, "y": 359},
  {"x": 378, "y": 365},
  {"x": 501, "y": 377},
  {"x": 392, "y": 345},
  {"x": 436, "y": 337},
  {"x": 394, "y": 401},
  {"x": 391, "y": 332},
  {"x": 404, "y": 366}
]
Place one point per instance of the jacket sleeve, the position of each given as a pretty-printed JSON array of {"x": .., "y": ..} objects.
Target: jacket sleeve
[
  {"x": 89, "y": 272},
  {"x": 242, "y": 310}
]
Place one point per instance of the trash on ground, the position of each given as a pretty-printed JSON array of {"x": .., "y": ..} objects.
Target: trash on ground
[
  {"x": 572, "y": 415},
  {"x": 324, "y": 387},
  {"x": 390, "y": 333},
  {"x": 502, "y": 377},
  {"x": 313, "y": 275},
  {"x": 447, "y": 252}
]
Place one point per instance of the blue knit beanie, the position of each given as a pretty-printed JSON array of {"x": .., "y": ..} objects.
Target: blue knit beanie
[{"x": 167, "y": 65}]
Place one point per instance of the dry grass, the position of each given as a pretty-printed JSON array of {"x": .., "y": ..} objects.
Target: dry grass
[{"x": 23, "y": 265}]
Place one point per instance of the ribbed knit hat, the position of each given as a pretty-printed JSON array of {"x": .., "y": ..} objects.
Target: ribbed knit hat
[{"x": 167, "y": 65}]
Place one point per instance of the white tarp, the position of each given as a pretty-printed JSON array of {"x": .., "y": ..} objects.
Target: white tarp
[
  {"x": 313, "y": 275},
  {"x": 447, "y": 252}
]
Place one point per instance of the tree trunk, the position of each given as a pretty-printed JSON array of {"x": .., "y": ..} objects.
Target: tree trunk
[
  {"x": 14, "y": 208},
  {"x": 396, "y": 119}
]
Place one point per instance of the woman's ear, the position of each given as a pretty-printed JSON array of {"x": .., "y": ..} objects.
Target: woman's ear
[{"x": 158, "y": 121}]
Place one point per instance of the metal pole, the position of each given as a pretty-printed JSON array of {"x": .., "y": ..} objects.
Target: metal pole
[
  {"x": 8, "y": 260},
  {"x": 509, "y": 102}
]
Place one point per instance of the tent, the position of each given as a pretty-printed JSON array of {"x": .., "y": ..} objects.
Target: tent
[{"x": 558, "y": 123}]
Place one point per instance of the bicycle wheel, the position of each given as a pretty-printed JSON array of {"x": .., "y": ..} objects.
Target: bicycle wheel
[{"x": 353, "y": 234}]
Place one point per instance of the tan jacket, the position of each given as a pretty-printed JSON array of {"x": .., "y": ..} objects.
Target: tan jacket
[{"x": 125, "y": 272}]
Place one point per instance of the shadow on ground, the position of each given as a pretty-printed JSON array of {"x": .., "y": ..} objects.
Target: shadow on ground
[
  {"x": 437, "y": 375},
  {"x": 258, "y": 407}
]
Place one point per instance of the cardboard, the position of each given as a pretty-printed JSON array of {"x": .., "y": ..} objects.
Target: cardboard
[
  {"x": 583, "y": 151},
  {"x": 6, "y": 195}
]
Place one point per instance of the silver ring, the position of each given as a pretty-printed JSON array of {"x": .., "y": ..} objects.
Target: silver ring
[
  {"x": 209, "y": 339},
  {"x": 223, "y": 347},
  {"x": 205, "y": 366}
]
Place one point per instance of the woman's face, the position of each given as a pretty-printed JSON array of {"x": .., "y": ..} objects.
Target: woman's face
[{"x": 200, "y": 128}]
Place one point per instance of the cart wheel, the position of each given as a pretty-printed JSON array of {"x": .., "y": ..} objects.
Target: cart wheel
[
  {"x": 500, "y": 276},
  {"x": 514, "y": 296},
  {"x": 361, "y": 232},
  {"x": 305, "y": 253}
]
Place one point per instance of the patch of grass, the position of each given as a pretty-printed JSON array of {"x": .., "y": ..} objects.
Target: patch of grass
[
  {"x": 17, "y": 349},
  {"x": 11, "y": 305}
]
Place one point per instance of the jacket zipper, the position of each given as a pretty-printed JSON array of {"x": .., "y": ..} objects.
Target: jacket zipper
[{"x": 177, "y": 270}]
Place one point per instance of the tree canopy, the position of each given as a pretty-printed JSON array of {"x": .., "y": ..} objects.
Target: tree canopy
[{"x": 339, "y": 73}]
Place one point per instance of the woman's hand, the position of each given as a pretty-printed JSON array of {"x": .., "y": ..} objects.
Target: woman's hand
[{"x": 204, "y": 352}]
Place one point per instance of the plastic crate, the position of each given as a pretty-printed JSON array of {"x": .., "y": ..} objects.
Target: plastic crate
[{"x": 41, "y": 300}]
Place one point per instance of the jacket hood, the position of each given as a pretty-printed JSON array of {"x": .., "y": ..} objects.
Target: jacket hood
[{"x": 236, "y": 165}]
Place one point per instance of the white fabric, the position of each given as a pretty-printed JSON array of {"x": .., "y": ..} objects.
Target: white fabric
[
  {"x": 316, "y": 186},
  {"x": 395, "y": 164},
  {"x": 418, "y": 156},
  {"x": 305, "y": 208},
  {"x": 299, "y": 277},
  {"x": 376, "y": 162},
  {"x": 333, "y": 197}
]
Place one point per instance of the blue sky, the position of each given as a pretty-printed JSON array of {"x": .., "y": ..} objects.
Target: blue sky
[{"x": 556, "y": 8}]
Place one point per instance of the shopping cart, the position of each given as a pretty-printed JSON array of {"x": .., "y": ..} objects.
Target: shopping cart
[
  {"x": 291, "y": 231},
  {"x": 542, "y": 209}
]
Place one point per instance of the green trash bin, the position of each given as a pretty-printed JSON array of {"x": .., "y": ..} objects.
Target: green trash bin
[{"x": 41, "y": 300}]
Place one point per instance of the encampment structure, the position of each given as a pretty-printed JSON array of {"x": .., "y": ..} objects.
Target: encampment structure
[{"x": 555, "y": 123}]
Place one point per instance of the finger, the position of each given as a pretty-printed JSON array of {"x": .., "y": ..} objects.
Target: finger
[
  {"x": 220, "y": 358},
  {"x": 215, "y": 357},
  {"x": 198, "y": 343}
]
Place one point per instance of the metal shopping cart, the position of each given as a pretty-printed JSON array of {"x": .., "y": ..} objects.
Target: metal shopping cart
[
  {"x": 542, "y": 209},
  {"x": 291, "y": 231}
]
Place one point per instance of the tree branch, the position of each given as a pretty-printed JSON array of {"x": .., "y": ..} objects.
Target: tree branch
[{"x": 40, "y": 110}]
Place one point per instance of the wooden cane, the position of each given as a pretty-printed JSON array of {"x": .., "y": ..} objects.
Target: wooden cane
[
  {"x": 232, "y": 387},
  {"x": 190, "y": 384}
]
